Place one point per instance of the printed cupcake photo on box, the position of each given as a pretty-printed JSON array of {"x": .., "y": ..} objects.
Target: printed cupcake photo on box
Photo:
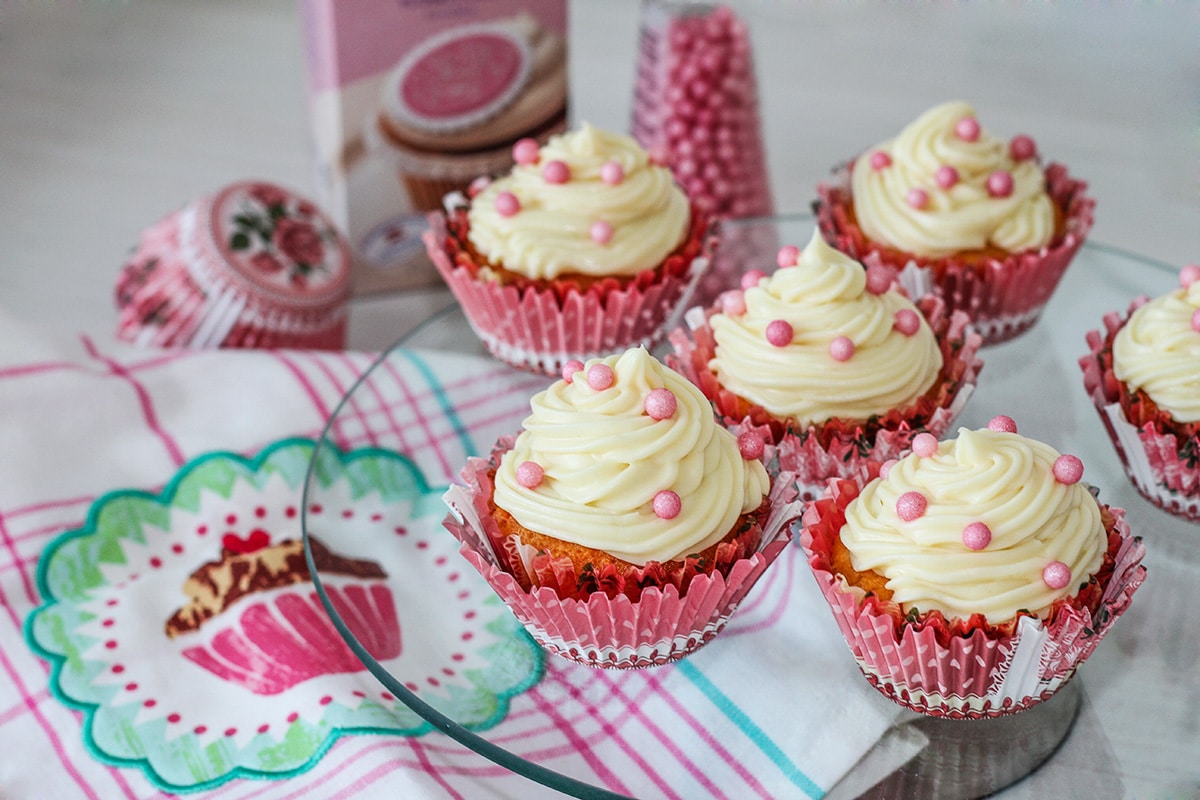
[
  {"x": 585, "y": 248},
  {"x": 831, "y": 362},
  {"x": 622, "y": 525},
  {"x": 972, "y": 577},
  {"x": 995, "y": 229},
  {"x": 1142, "y": 372}
]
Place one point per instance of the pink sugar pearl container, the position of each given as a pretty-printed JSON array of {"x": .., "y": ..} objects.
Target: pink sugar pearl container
[
  {"x": 696, "y": 105},
  {"x": 252, "y": 265}
]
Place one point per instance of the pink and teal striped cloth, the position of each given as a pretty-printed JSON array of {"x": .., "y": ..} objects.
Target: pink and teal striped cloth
[{"x": 125, "y": 470}]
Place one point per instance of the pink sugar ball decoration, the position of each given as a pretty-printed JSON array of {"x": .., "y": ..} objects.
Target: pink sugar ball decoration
[
  {"x": 667, "y": 504},
  {"x": 967, "y": 129},
  {"x": 946, "y": 176},
  {"x": 1000, "y": 183},
  {"x": 660, "y": 404},
  {"x": 751, "y": 278},
  {"x": 907, "y": 321},
  {"x": 570, "y": 368},
  {"x": 886, "y": 467},
  {"x": 556, "y": 172},
  {"x": 880, "y": 278},
  {"x": 924, "y": 444},
  {"x": 1196, "y": 320},
  {"x": 612, "y": 173},
  {"x": 880, "y": 160},
  {"x": 601, "y": 232},
  {"x": 600, "y": 377},
  {"x": 750, "y": 445},
  {"x": 911, "y": 506},
  {"x": 732, "y": 302},
  {"x": 1002, "y": 424},
  {"x": 1067, "y": 469},
  {"x": 530, "y": 474},
  {"x": 779, "y": 332},
  {"x": 841, "y": 348},
  {"x": 1057, "y": 575},
  {"x": 1189, "y": 275},
  {"x": 1022, "y": 148},
  {"x": 976, "y": 536},
  {"x": 917, "y": 197},
  {"x": 787, "y": 256},
  {"x": 525, "y": 151},
  {"x": 507, "y": 204}
]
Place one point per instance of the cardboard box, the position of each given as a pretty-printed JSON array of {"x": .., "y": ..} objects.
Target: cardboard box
[{"x": 411, "y": 99}]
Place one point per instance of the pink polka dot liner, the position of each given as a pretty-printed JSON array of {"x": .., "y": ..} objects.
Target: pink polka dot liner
[
  {"x": 968, "y": 669},
  {"x": 541, "y": 325},
  {"x": 603, "y": 620}
]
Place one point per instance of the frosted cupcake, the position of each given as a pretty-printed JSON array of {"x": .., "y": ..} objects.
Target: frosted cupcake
[
  {"x": 1142, "y": 375},
  {"x": 830, "y": 361},
  {"x": 585, "y": 248},
  {"x": 995, "y": 230},
  {"x": 622, "y": 525},
  {"x": 973, "y": 576}
]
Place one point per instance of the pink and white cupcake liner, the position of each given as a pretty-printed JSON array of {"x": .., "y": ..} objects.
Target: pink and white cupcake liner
[
  {"x": 249, "y": 266},
  {"x": 1162, "y": 464},
  {"x": 840, "y": 448},
  {"x": 1003, "y": 297},
  {"x": 663, "y": 624},
  {"x": 942, "y": 669},
  {"x": 542, "y": 328}
]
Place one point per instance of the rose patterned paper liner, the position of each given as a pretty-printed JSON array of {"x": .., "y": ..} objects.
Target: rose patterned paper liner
[
  {"x": 1003, "y": 297},
  {"x": 1161, "y": 457},
  {"x": 968, "y": 669},
  {"x": 250, "y": 266},
  {"x": 640, "y": 627},
  {"x": 840, "y": 447},
  {"x": 541, "y": 327}
]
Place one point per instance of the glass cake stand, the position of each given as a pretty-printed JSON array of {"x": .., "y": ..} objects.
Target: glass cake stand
[{"x": 1129, "y": 718}]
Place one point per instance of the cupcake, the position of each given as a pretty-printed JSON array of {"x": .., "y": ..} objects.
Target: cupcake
[
  {"x": 1141, "y": 374},
  {"x": 995, "y": 230},
  {"x": 973, "y": 576},
  {"x": 252, "y": 265},
  {"x": 256, "y": 605},
  {"x": 585, "y": 248},
  {"x": 622, "y": 525},
  {"x": 832, "y": 362},
  {"x": 452, "y": 108}
]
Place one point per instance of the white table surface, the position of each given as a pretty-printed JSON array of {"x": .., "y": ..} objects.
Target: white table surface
[{"x": 113, "y": 114}]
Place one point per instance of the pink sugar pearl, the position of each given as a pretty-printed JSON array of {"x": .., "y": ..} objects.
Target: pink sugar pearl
[
  {"x": 600, "y": 377},
  {"x": 886, "y": 467},
  {"x": 1057, "y": 575},
  {"x": 1067, "y": 469},
  {"x": 530, "y": 474},
  {"x": 879, "y": 278},
  {"x": 751, "y": 278},
  {"x": 660, "y": 404},
  {"x": 1022, "y": 148},
  {"x": 911, "y": 506},
  {"x": 787, "y": 256},
  {"x": 733, "y": 302},
  {"x": 667, "y": 504},
  {"x": 907, "y": 321},
  {"x": 556, "y": 172},
  {"x": 507, "y": 204},
  {"x": 779, "y": 332},
  {"x": 924, "y": 444},
  {"x": 917, "y": 197},
  {"x": 1189, "y": 275},
  {"x": 1002, "y": 424},
  {"x": 967, "y": 129},
  {"x": 1000, "y": 183},
  {"x": 1196, "y": 320},
  {"x": 601, "y": 232},
  {"x": 841, "y": 348},
  {"x": 612, "y": 173},
  {"x": 525, "y": 151},
  {"x": 570, "y": 368},
  {"x": 976, "y": 536},
  {"x": 880, "y": 160},
  {"x": 946, "y": 176},
  {"x": 750, "y": 445}
]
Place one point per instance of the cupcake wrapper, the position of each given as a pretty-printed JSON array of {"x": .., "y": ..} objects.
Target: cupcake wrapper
[
  {"x": 1161, "y": 463},
  {"x": 840, "y": 448},
  {"x": 1003, "y": 298},
  {"x": 283, "y": 640},
  {"x": 934, "y": 668},
  {"x": 661, "y": 625},
  {"x": 540, "y": 329}
]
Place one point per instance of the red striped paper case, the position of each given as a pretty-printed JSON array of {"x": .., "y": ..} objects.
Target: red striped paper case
[
  {"x": 252, "y": 265},
  {"x": 542, "y": 328},
  {"x": 924, "y": 665},
  {"x": 1159, "y": 460},
  {"x": 663, "y": 624},
  {"x": 1003, "y": 298}
]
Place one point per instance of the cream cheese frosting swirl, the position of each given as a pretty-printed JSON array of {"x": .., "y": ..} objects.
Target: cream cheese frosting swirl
[
  {"x": 605, "y": 458},
  {"x": 601, "y": 220},
  {"x": 823, "y": 297},
  {"x": 1157, "y": 350},
  {"x": 1003, "y": 480},
  {"x": 929, "y": 191}
]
